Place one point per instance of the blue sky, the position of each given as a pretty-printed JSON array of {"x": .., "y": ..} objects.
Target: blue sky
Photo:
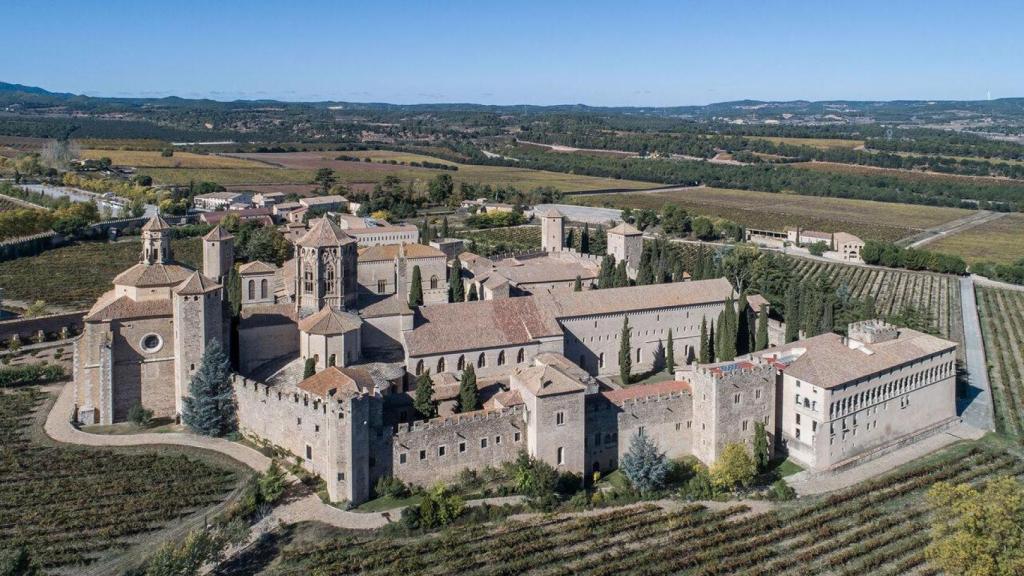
[{"x": 555, "y": 52}]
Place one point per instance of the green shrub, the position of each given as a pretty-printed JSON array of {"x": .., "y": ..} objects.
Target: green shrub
[
  {"x": 27, "y": 374},
  {"x": 391, "y": 487},
  {"x": 140, "y": 416},
  {"x": 781, "y": 492}
]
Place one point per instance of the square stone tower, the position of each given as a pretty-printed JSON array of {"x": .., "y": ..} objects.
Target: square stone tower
[
  {"x": 626, "y": 243},
  {"x": 218, "y": 254},
  {"x": 552, "y": 231}
]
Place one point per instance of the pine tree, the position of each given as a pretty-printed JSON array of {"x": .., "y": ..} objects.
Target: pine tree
[
  {"x": 705, "y": 344},
  {"x": 585, "y": 239},
  {"x": 472, "y": 295},
  {"x": 468, "y": 399},
  {"x": 761, "y": 452},
  {"x": 761, "y": 339},
  {"x": 457, "y": 288},
  {"x": 643, "y": 465},
  {"x": 625, "y": 358},
  {"x": 792, "y": 314},
  {"x": 444, "y": 227},
  {"x": 210, "y": 406},
  {"x": 416, "y": 289},
  {"x": 309, "y": 369},
  {"x": 670, "y": 355},
  {"x": 577, "y": 286},
  {"x": 424, "y": 398}
]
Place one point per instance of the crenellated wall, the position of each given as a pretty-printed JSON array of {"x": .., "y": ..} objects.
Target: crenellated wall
[{"x": 667, "y": 419}]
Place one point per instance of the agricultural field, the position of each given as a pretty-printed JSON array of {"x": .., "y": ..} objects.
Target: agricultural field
[
  {"x": 68, "y": 507},
  {"x": 1001, "y": 240},
  {"x": 1002, "y": 327},
  {"x": 154, "y": 159},
  {"x": 74, "y": 276},
  {"x": 257, "y": 175},
  {"x": 503, "y": 240},
  {"x": 6, "y": 205},
  {"x": 765, "y": 210},
  {"x": 376, "y": 170},
  {"x": 876, "y": 527},
  {"x": 936, "y": 296},
  {"x": 899, "y": 173},
  {"x": 822, "y": 143}
]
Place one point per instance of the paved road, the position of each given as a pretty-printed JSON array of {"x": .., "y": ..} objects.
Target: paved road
[{"x": 976, "y": 407}]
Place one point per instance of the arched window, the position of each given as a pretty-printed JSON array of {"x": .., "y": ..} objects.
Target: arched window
[
  {"x": 307, "y": 280},
  {"x": 440, "y": 364},
  {"x": 501, "y": 358},
  {"x": 462, "y": 363},
  {"x": 252, "y": 289},
  {"x": 481, "y": 361},
  {"x": 433, "y": 282},
  {"x": 600, "y": 360},
  {"x": 520, "y": 356},
  {"x": 263, "y": 288},
  {"x": 332, "y": 360},
  {"x": 329, "y": 279},
  {"x": 419, "y": 367}
]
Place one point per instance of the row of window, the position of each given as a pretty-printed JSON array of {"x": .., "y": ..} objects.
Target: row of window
[
  {"x": 263, "y": 289},
  {"x": 442, "y": 450},
  {"x": 890, "y": 389},
  {"x": 481, "y": 361}
]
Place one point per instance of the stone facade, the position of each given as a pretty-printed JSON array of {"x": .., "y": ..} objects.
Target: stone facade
[{"x": 626, "y": 243}]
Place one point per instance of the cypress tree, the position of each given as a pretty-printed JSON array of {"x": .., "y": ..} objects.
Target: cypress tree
[
  {"x": 458, "y": 290},
  {"x": 468, "y": 399},
  {"x": 426, "y": 230},
  {"x": 585, "y": 239},
  {"x": 210, "y": 407},
  {"x": 577, "y": 286},
  {"x": 792, "y": 314},
  {"x": 761, "y": 339},
  {"x": 416, "y": 289},
  {"x": 570, "y": 238},
  {"x": 424, "y": 398},
  {"x": 309, "y": 368},
  {"x": 472, "y": 295},
  {"x": 670, "y": 355},
  {"x": 444, "y": 227},
  {"x": 234, "y": 291},
  {"x": 744, "y": 336},
  {"x": 645, "y": 274},
  {"x": 705, "y": 345},
  {"x": 606, "y": 277},
  {"x": 761, "y": 453},
  {"x": 621, "y": 275},
  {"x": 625, "y": 358},
  {"x": 712, "y": 352}
]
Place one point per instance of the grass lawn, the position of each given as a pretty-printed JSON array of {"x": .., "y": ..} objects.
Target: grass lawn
[
  {"x": 1001, "y": 240},
  {"x": 388, "y": 503},
  {"x": 74, "y": 276},
  {"x": 787, "y": 468},
  {"x": 777, "y": 211}
]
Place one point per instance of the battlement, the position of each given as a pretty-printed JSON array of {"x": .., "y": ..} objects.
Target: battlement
[
  {"x": 248, "y": 389},
  {"x": 456, "y": 420}
]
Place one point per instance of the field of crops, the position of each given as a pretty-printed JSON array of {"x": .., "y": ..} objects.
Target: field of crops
[
  {"x": 67, "y": 506},
  {"x": 764, "y": 210},
  {"x": 935, "y": 295},
  {"x": 1002, "y": 326},
  {"x": 995, "y": 241},
  {"x": 876, "y": 527},
  {"x": 898, "y": 173},
  {"x": 812, "y": 142},
  {"x": 503, "y": 240},
  {"x": 154, "y": 159},
  {"x": 74, "y": 276},
  {"x": 228, "y": 176}
]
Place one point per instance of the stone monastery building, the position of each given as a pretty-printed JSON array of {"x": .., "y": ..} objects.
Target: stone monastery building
[{"x": 542, "y": 352}]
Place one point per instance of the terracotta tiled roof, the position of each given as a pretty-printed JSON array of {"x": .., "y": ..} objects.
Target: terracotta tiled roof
[
  {"x": 756, "y": 300},
  {"x": 257, "y": 267},
  {"x": 328, "y": 322},
  {"x": 546, "y": 268},
  {"x": 828, "y": 361},
  {"x": 625, "y": 229},
  {"x": 547, "y": 381},
  {"x": 372, "y": 306},
  {"x": 313, "y": 201},
  {"x": 257, "y": 315},
  {"x": 481, "y": 324},
  {"x": 633, "y": 298},
  {"x": 382, "y": 252},
  {"x": 196, "y": 284},
  {"x": 324, "y": 232},
  {"x": 109, "y": 307},
  {"x": 217, "y": 234},
  {"x": 151, "y": 275},
  {"x": 505, "y": 399},
  {"x": 646, "y": 390},
  {"x": 334, "y": 381},
  {"x": 156, "y": 223}
]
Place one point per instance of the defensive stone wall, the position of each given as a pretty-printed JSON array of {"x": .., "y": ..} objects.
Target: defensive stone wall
[
  {"x": 426, "y": 452},
  {"x": 667, "y": 419}
]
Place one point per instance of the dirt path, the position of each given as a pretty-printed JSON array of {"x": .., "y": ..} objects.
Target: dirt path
[{"x": 954, "y": 227}]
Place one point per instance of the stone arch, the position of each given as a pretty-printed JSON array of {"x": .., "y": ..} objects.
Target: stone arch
[
  {"x": 419, "y": 367},
  {"x": 440, "y": 365},
  {"x": 481, "y": 360},
  {"x": 600, "y": 360},
  {"x": 263, "y": 288},
  {"x": 520, "y": 356},
  {"x": 252, "y": 289},
  {"x": 501, "y": 358},
  {"x": 433, "y": 282},
  {"x": 462, "y": 362}
]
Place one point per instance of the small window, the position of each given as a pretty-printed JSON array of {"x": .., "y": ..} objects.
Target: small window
[
  {"x": 560, "y": 418},
  {"x": 402, "y": 457},
  {"x": 309, "y": 452},
  {"x": 798, "y": 419},
  {"x": 744, "y": 425},
  {"x": 497, "y": 440},
  {"x": 516, "y": 437},
  {"x": 462, "y": 446},
  {"x": 382, "y": 286},
  {"x": 441, "y": 450},
  {"x": 757, "y": 394},
  {"x": 483, "y": 442},
  {"x": 736, "y": 398},
  {"x": 423, "y": 454},
  {"x": 298, "y": 421},
  {"x": 561, "y": 455},
  {"x": 341, "y": 476},
  {"x": 316, "y": 428}
]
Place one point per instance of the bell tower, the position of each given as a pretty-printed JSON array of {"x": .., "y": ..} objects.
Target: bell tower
[
  {"x": 325, "y": 269},
  {"x": 156, "y": 241}
]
